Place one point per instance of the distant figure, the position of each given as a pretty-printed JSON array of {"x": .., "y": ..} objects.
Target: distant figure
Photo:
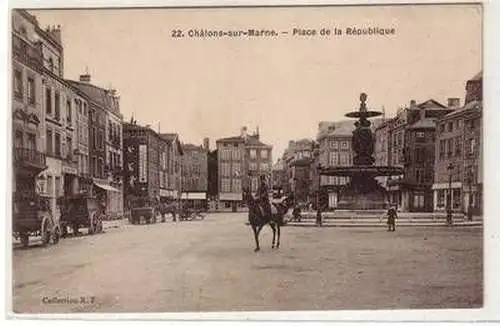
[
  {"x": 262, "y": 197},
  {"x": 392, "y": 215}
]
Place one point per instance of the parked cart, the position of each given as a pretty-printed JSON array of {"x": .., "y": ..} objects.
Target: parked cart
[
  {"x": 32, "y": 217},
  {"x": 81, "y": 211}
]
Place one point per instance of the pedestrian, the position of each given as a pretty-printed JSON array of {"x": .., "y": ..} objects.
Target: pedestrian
[{"x": 391, "y": 218}]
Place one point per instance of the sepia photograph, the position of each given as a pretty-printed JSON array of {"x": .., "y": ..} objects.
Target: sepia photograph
[{"x": 246, "y": 159}]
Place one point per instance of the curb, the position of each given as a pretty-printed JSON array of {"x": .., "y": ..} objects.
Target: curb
[{"x": 373, "y": 225}]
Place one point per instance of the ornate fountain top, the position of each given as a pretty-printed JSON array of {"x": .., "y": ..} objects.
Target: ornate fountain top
[{"x": 363, "y": 112}]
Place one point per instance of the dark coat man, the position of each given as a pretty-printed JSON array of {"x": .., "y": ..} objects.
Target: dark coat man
[
  {"x": 263, "y": 196},
  {"x": 392, "y": 215}
]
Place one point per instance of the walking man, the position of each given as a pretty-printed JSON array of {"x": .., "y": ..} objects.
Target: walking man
[{"x": 392, "y": 215}]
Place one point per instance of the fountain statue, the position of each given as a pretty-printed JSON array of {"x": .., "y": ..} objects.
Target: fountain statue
[{"x": 363, "y": 191}]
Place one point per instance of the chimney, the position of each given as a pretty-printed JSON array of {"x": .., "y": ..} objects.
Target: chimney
[
  {"x": 206, "y": 144},
  {"x": 453, "y": 102},
  {"x": 85, "y": 78},
  {"x": 413, "y": 104}
]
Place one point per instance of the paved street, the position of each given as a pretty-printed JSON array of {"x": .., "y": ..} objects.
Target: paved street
[{"x": 210, "y": 266}]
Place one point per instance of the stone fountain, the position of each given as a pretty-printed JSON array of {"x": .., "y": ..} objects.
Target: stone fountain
[{"x": 363, "y": 192}]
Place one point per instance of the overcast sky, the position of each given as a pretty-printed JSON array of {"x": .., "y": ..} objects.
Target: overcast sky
[{"x": 285, "y": 85}]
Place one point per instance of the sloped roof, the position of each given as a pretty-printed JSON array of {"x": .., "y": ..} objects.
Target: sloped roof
[
  {"x": 231, "y": 139},
  {"x": 254, "y": 141},
  {"x": 431, "y": 104},
  {"x": 477, "y": 76},
  {"x": 97, "y": 94},
  {"x": 171, "y": 137},
  {"x": 469, "y": 106}
]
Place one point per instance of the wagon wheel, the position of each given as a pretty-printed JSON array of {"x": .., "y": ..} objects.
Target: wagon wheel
[
  {"x": 46, "y": 230},
  {"x": 25, "y": 239}
]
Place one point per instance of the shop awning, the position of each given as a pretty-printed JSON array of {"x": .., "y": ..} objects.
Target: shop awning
[{"x": 106, "y": 187}]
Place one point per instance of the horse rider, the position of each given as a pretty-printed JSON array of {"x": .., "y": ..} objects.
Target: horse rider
[{"x": 262, "y": 197}]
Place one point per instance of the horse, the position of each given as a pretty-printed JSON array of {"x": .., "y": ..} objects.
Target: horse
[{"x": 257, "y": 219}]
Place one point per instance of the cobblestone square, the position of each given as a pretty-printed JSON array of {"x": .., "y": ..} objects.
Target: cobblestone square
[{"x": 210, "y": 266}]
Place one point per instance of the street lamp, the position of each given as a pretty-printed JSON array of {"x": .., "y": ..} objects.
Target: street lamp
[
  {"x": 449, "y": 219},
  {"x": 469, "y": 182}
]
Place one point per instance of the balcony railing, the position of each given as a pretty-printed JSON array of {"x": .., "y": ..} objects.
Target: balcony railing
[{"x": 30, "y": 157}]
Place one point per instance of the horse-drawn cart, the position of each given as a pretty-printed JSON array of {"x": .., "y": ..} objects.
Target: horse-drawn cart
[
  {"x": 81, "y": 211},
  {"x": 32, "y": 217}
]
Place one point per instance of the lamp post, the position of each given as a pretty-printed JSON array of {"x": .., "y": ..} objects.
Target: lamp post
[
  {"x": 449, "y": 219},
  {"x": 319, "y": 219},
  {"x": 469, "y": 204}
]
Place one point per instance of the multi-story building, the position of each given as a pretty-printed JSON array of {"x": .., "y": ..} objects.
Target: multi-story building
[
  {"x": 412, "y": 147},
  {"x": 49, "y": 95},
  {"x": 334, "y": 141},
  {"x": 382, "y": 149},
  {"x": 298, "y": 158},
  {"x": 195, "y": 174},
  {"x": 105, "y": 144},
  {"x": 230, "y": 157},
  {"x": 82, "y": 150},
  {"x": 280, "y": 176},
  {"x": 241, "y": 161},
  {"x": 174, "y": 166},
  {"x": 458, "y": 154},
  {"x": 142, "y": 161},
  {"x": 257, "y": 160},
  {"x": 28, "y": 116}
]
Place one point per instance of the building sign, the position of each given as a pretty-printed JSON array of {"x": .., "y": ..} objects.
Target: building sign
[
  {"x": 143, "y": 163},
  {"x": 230, "y": 196},
  {"x": 194, "y": 195},
  {"x": 69, "y": 170}
]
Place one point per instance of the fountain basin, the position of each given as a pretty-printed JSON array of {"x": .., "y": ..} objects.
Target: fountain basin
[{"x": 362, "y": 170}]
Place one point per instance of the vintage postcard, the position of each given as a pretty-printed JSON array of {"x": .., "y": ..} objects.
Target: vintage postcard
[{"x": 246, "y": 159}]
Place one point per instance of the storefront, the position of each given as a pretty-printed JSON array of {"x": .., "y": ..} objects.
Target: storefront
[
  {"x": 110, "y": 197},
  {"x": 196, "y": 200}
]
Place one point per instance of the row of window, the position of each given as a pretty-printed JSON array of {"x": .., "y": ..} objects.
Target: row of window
[
  {"x": 457, "y": 124},
  {"x": 263, "y": 153},
  {"x": 443, "y": 197},
  {"x": 339, "y": 144},
  {"x": 114, "y": 132},
  {"x": 451, "y": 147},
  {"x": 25, "y": 140},
  {"x": 333, "y": 180},
  {"x": 227, "y": 171},
  {"x": 230, "y": 154},
  {"x": 230, "y": 185},
  {"x": 255, "y": 167},
  {"x": 339, "y": 158},
  {"x": 20, "y": 91}
]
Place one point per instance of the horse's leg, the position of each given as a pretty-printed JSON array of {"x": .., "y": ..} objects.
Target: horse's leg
[
  {"x": 274, "y": 233},
  {"x": 256, "y": 237},
  {"x": 279, "y": 233}
]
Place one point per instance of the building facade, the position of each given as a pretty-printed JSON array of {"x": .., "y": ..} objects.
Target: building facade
[
  {"x": 105, "y": 144},
  {"x": 195, "y": 175},
  {"x": 230, "y": 162},
  {"x": 28, "y": 116},
  {"x": 458, "y": 155},
  {"x": 411, "y": 146},
  {"x": 241, "y": 161},
  {"x": 141, "y": 159},
  {"x": 297, "y": 160},
  {"x": 257, "y": 161},
  {"x": 174, "y": 155},
  {"x": 334, "y": 141}
]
